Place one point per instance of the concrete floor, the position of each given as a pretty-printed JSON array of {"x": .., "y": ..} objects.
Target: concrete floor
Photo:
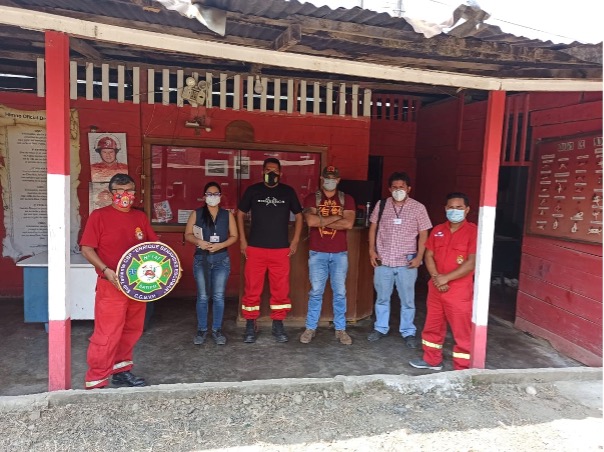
[{"x": 166, "y": 354}]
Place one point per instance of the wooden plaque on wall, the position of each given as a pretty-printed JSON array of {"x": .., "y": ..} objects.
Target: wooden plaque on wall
[{"x": 566, "y": 189}]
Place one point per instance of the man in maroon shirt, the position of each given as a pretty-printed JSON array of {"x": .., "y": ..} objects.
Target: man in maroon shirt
[
  {"x": 118, "y": 320},
  {"x": 450, "y": 258},
  {"x": 329, "y": 213}
]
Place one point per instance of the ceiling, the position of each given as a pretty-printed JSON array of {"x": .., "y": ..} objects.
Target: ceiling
[{"x": 302, "y": 28}]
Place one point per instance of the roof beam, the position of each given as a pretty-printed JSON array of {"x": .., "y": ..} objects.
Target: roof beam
[
  {"x": 166, "y": 42},
  {"x": 85, "y": 49},
  {"x": 289, "y": 38},
  {"x": 409, "y": 40}
]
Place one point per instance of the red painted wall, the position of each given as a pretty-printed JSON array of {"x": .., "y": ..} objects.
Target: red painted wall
[
  {"x": 560, "y": 293},
  {"x": 346, "y": 139},
  {"x": 450, "y": 137},
  {"x": 395, "y": 141},
  {"x": 560, "y": 287}
]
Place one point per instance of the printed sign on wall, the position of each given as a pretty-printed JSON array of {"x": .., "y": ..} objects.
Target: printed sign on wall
[{"x": 566, "y": 195}]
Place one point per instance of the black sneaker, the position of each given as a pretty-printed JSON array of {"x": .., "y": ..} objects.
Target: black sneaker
[
  {"x": 375, "y": 335},
  {"x": 279, "y": 331},
  {"x": 127, "y": 378},
  {"x": 201, "y": 337},
  {"x": 218, "y": 337},
  {"x": 419, "y": 363},
  {"x": 249, "y": 337},
  {"x": 410, "y": 342}
]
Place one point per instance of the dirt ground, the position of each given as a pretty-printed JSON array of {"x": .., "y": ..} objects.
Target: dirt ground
[{"x": 377, "y": 417}]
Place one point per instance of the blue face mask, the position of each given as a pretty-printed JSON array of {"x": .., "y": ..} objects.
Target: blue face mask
[{"x": 455, "y": 216}]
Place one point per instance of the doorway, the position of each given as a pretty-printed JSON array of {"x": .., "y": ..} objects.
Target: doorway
[{"x": 507, "y": 244}]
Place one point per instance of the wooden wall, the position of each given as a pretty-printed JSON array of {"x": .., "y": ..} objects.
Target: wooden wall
[
  {"x": 346, "y": 138},
  {"x": 560, "y": 293},
  {"x": 395, "y": 141},
  {"x": 560, "y": 287},
  {"x": 450, "y": 137}
]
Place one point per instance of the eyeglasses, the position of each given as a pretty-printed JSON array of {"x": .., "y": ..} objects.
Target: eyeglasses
[
  {"x": 212, "y": 194},
  {"x": 121, "y": 191}
]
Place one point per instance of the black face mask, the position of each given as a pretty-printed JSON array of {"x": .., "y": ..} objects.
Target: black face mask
[{"x": 271, "y": 179}]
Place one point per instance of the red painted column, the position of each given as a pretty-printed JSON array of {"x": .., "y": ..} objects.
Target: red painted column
[
  {"x": 486, "y": 226},
  {"x": 58, "y": 192}
]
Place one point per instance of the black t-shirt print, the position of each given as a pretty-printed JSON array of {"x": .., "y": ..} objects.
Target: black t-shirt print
[{"x": 270, "y": 208}]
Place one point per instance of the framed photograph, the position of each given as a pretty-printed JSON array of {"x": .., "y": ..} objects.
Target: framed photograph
[
  {"x": 241, "y": 167},
  {"x": 217, "y": 168}
]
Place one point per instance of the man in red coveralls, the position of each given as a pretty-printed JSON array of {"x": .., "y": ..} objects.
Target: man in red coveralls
[
  {"x": 450, "y": 258},
  {"x": 118, "y": 320}
]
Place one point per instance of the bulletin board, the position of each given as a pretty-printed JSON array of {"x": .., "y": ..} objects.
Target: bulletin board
[
  {"x": 566, "y": 189},
  {"x": 178, "y": 174}
]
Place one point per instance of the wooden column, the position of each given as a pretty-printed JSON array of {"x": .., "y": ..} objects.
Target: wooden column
[
  {"x": 57, "y": 143},
  {"x": 486, "y": 226}
]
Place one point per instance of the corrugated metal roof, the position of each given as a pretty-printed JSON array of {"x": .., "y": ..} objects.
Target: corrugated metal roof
[
  {"x": 273, "y": 9},
  {"x": 380, "y": 38}
]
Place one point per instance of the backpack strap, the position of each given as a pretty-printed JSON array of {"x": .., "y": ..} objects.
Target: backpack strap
[
  {"x": 381, "y": 207},
  {"x": 341, "y": 197}
]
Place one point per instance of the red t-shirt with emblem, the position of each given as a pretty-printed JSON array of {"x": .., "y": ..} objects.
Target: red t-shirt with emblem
[
  {"x": 112, "y": 232},
  {"x": 325, "y": 239},
  {"x": 452, "y": 249}
]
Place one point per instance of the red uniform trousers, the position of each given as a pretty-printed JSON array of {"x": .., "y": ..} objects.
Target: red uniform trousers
[
  {"x": 454, "y": 307},
  {"x": 118, "y": 324},
  {"x": 258, "y": 261}
]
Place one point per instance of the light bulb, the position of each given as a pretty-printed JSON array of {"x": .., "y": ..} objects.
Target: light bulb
[{"x": 258, "y": 88}]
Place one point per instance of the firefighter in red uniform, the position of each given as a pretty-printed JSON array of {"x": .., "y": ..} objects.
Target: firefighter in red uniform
[
  {"x": 118, "y": 321},
  {"x": 450, "y": 258}
]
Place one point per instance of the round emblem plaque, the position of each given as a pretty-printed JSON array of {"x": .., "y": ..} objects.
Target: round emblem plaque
[{"x": 148, "y": 271}]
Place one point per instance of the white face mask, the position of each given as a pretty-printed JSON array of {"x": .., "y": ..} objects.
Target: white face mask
[
  {"x": 330, "y": 184},
  {"x": 212, "y": 201},
  {"x": 399, "y": 195}
]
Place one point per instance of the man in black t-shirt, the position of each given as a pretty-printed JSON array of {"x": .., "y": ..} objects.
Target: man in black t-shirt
[{"x": 270, "y": 204}]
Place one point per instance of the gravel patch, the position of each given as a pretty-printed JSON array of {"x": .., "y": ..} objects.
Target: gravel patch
[{"x": 375, "y": 416}]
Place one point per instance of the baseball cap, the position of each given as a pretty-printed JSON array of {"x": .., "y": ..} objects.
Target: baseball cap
[{"x": 330, "y": 171}]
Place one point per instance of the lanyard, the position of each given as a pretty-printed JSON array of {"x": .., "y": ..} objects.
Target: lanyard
[{"x": 399, "y": 211}]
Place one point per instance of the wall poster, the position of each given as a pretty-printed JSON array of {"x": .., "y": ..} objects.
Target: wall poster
[
  {"x": 23, "y": 180},
  {"x": 108, "y": 155},
  {"x": 566, "y": 189}
]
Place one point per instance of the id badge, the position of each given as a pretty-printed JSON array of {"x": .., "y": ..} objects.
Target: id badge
[
  {"x": 398, "y": 221},
  {"x": 214, "y": 238}
]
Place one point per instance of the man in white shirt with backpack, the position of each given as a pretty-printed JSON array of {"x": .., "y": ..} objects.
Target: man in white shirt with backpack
[{"x": 397, "y": 239}]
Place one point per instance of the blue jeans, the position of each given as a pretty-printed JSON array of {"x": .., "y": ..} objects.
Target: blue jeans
[
  {"x": 211, "y": 273},
  {"x": 320, "y": 267},
  {"x": 384, "y": 279}
]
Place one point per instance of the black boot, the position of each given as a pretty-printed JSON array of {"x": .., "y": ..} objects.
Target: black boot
[
  {"x": 279, "y": 331},
  {"x": 249, "y": 337},
  {"x": 127, "y": 378}
]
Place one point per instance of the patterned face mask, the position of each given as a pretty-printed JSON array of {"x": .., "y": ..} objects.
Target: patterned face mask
[
  {"x": 271, "y": 179},
  {"x": 123, "y": 200}
]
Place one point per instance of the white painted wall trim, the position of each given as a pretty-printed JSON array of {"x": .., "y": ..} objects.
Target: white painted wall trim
[
  {"x": 58, "y": 189},
  {"x": 36, "y": 20},
  {"x": 484, "y": 260}
]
